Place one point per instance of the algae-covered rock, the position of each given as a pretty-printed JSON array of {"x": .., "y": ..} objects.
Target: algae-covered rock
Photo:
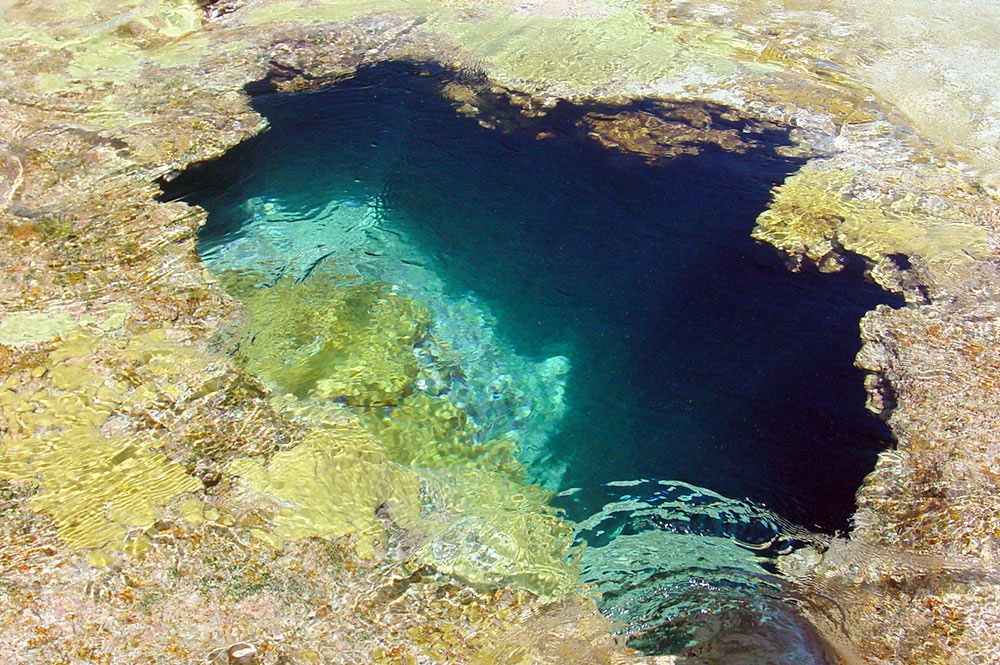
[
  {"x": 95, "y": 481},
  {"x": 485, "y": 524},
  {"x": 120, "y": 93},
  {"x": 351, "y": 342},
  {"x": 420, "y": 456},
  {"x": 94, "y": 487},
  {"x": 493, "y": 530},
  {"x": 469, "y": 518},
  {"x": 556, "y": 47},
  {"x": 27, "y": 327},
  {"x": 161, "y": 357},
  {"x": 816, "y": 213},
  {"x": 672, "y": 130},
  {"x": 431, "y": 431},
  {"x": 331, "y": 484}
]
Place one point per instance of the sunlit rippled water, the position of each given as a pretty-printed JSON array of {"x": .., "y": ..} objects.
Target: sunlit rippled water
[{"x": 612, "y": 317}]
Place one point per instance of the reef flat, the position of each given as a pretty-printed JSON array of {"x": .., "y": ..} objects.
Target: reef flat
[{"x": 148, "y": 508}]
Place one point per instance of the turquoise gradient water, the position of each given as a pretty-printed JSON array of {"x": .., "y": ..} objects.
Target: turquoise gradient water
[{"x": 612, "y": 315}]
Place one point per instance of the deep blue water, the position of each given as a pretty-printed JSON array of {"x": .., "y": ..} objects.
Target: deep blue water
[
  {"x": 696, "y": 360},
  {"x": 696, "y": 355}
]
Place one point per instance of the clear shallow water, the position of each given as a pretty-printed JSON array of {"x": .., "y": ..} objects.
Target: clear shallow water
[
  {"x": 687, "y": 571},
  {"x": 612, "y": 317}
]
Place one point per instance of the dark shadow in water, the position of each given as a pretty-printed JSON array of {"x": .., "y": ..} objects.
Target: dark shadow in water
[{"x": 696, "y": 354}]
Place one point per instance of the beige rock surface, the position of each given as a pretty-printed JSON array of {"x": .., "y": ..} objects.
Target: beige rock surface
[{"x": 107, "y": 317}]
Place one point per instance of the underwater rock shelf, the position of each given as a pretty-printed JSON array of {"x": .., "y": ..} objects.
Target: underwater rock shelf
[{"x": 144, "y": 471}]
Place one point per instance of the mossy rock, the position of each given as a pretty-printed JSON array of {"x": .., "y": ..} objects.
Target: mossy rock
[
  {"x": 352, "y": 342},
  {"x": 331, "y": 484},
  {"x": 432, "y": 432}
]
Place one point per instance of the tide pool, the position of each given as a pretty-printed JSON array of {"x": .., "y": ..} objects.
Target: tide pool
[{"x": 604, "y": 316}]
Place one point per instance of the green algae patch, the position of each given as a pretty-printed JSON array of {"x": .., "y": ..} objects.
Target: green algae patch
[
  {"x": 490, "y": 529},
  {"x": 189, "y": 51},
  {"x": 105, "y": 58},
  {"x": 416, "y": 455},
  {"x": 330, "y": 485},
  {"x": 23, "y": 328},
  {"x": 50, "y": 83},
  {"x": 192, "y": 511},
  {"x": 815, "y": 213},
  {"x": 581, "y": 53},
  {"x": 431, "y": 431},
  {"x": 483, "y": 528},
  {"x": 30, "y": 327},
  {"x": 75, "y": 23},
  {"x": 94, "y": 487},
  {"x": 117, "y": 315},
  {"x": 310, "y": 13},
  {"x": 89, "y": 47},
  {"x": 585, "y": 53},
  {"x": 353, "y": 343},
  {"x": 96, "y": 481},
  {"x": 161, "y": 357}
]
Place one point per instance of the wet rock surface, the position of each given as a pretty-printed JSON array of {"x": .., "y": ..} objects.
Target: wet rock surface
[{"x": 110, "y": 327}]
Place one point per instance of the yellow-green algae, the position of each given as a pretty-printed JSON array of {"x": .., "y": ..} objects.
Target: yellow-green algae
[
  {"x": 78, "y": 24},
  {"x": 584, "y": 53},
  {"x": 97, "y": 480},
  {"x": 495, "y": 528},
  {"x": 94, "y": 486},
  {"x": 433, "y": 432},
  {"x": 499, "y": 531},
  {"x": 814, "y": 210},
  {"x": 29, "y": 327},
  {"x": 320, "y": 340},
  {"x": 162, "y": 357},
  {"x": 353, "y": 342},
  {"x": 323, "y": 11},
  {"x": 102, "y": 44},
  {"x": 23, "y": 328},
  {"x": 580, "y": 52},
  {"x": 331, "y": 484},
  {"x": 483, "y": 527}
]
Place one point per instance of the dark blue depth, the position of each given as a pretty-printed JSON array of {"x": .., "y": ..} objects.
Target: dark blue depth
[{"x": 696, "y": 354}]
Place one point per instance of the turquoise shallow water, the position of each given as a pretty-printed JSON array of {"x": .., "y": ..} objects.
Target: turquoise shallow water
[{"x": 611, "y": 316}]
